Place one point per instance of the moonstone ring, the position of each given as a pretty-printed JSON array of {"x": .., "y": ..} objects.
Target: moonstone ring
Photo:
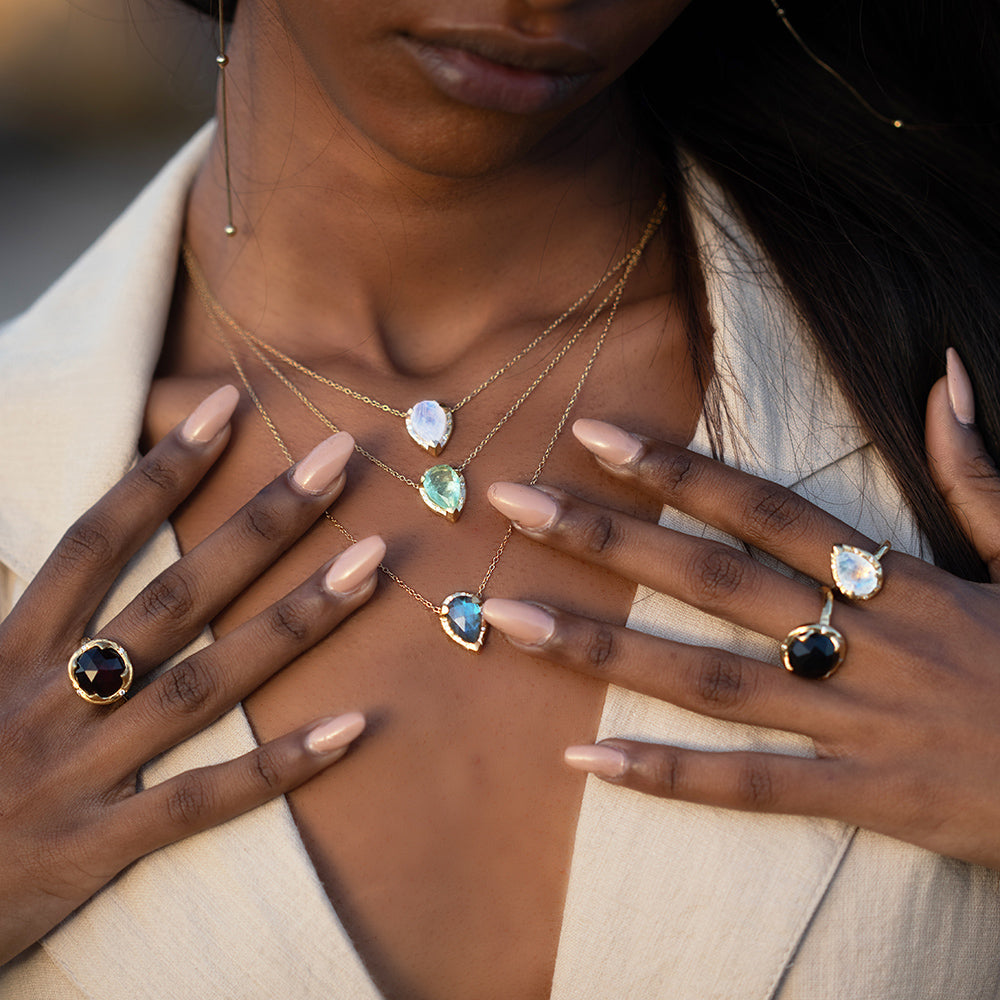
[
  {"x": 857, "y": 574},
  {"x": 100, "y": 671}
]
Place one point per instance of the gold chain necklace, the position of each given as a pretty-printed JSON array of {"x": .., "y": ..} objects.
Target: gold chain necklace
[
  {"x": 442, "y": 487},
  {"x": 460, "y": 613},
  {"x": 429, "y": 423}
]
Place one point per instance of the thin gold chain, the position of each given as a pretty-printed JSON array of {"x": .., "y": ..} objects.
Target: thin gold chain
[
  {"x": 213, "y": 305},
  {"x": 258, "y": 347},
  {"x": 651, "y": 228}
]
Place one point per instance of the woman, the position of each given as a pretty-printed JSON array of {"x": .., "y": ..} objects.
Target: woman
[{"x": 418, "y": 193}]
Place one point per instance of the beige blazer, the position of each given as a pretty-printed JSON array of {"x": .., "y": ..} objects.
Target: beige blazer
[{"x": 666, "y": 899}]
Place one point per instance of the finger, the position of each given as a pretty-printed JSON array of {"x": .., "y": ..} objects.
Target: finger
[
  {"x": 187, "y": 698},
  {"x": 962, "y": 468},
  {"x": 208, "y": 796},
  {"x": 708, "y": 681},
  {"x": 761, "y": 513},
  {"x": 76, "y": 576},
  {"x": 753, "y": 782},
  {"x": 709, "y": 575},
  {"x": 174, "y": 607}
]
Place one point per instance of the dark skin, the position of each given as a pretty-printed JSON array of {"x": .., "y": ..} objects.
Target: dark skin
[
  {"x": 508, "y": 218},
  {"x": 360, "y": 186}
]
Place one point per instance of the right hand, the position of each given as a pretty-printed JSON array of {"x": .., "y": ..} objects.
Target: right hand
[{"x": 71, "y": 817}]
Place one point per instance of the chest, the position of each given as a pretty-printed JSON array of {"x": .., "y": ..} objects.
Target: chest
[{"x": 444, "y": 840}]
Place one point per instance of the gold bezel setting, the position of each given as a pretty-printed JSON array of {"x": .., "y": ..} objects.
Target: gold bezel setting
[
  {"x": 125, "y": 681},
  {"x": 449, "y": 627}
]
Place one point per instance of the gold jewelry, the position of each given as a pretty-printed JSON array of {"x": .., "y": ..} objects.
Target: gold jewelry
[
  {"x": 441, "y": 487},
  {"x": 100, "y": 671},
  {"x": 429, "y": 423},
  {"x": 815, "y": 651},
  {"x": 222, "y": 61},
  {"x": 460, "y": 613},
  {"x": 857, "y": 574},
  {"x": 826, "y": 67}
]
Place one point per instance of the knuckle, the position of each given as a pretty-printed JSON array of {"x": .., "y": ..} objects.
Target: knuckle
[
  {"x": 600, "y": 648},
  {"x": 185, "y": 689},
  {"x": 190, "y": 804},
  {"x": 156, "y": 473},
  {"x": 168, "y": 597},
  {"x": 666, "y": 772},
  {"x": 671, "y": 472},
  {"x": 267, "y": 770},
  {"x": 262, "y": 522},
  {"x": 718, "y": 574},
  {"x": 721, "y": 680},
  {"x": 755, "y": 785},
  {"x": 773, "y": 509},
  {"x": 87, "y": 542},
  {"x": 600, "y": 535},
  {"x": 288, "y": 620}
]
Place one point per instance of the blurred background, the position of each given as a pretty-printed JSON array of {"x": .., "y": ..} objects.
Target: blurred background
[{"x": 94, "y": 96}]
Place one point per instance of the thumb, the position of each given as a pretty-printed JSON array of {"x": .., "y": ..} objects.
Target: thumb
[{"x": 962, "y": 469}]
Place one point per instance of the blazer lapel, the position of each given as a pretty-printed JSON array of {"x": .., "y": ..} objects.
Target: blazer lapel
[
  {"x": 203, "y": 918},
  {"x": 677, "y": 900}
]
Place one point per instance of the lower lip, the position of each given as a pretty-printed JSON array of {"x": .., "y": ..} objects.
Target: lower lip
[{"x": 482, "y": 83}]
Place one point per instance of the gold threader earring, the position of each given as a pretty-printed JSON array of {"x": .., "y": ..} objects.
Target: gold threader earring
[
  {"x": 222, "y": 61},
  {"x": 826, "y": 67}
]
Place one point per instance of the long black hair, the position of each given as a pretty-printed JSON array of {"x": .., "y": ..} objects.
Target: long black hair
[{"x": 887, "y": 240}]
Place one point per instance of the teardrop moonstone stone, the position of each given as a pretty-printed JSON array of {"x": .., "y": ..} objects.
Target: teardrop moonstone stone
[
  {"x": 429, "y": 424},
  {"x": 462, "y": 620},
  {"x": 857, "y": 573},
  {"x": 443, "y": 490}
]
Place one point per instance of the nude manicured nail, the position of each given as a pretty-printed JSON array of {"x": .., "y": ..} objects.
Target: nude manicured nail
[
  {"x": 331, "y": 735},
  {"x": 609, "y": 443},
  {"x": 529, "y": 507},
  {"x": 354, "y": 565},
  {"x": 210, "y": 415},
  {"x": 522, "y": 622},
  {"x": 605, "y": 762},
  {"x": 319, "y": 470},
  {"x": 960, "y": 394}
]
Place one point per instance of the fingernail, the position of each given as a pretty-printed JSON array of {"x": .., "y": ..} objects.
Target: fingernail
[
  {"x": 605, "y": 762},
  {"x": 319, "y": 470},
  {"x": 523, "y": 622},
  {"x": 210, "y": 415},
  {"x": 609, "y": 443},
  {"x": 960, "y": 394},
  {"x": 335, "y": 734},
  {"x": 529, "y": 507},
  {"x": 354, "y": 565}
]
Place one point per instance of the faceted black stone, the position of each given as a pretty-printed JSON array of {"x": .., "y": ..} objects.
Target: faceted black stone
[
  {"x": 813, "y": 655},
  {"x": 99, "y": 672}
]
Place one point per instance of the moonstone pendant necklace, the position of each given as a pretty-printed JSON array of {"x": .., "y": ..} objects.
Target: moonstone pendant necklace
[
  {"x": 461, "y": 612},
  {"x": 428, "y": 422},
  {"x": 442, "y": 487}
]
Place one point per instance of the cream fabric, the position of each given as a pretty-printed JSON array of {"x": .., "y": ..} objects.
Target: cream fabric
[{"x": 665, "y": 899}]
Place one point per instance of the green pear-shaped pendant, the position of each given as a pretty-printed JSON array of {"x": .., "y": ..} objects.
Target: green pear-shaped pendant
[{"x": 443, "y": 490}]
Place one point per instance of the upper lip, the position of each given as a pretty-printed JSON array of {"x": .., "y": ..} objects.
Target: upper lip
[{"x": 556, "y": 57}]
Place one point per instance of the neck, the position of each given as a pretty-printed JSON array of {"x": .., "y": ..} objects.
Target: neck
[{"x": 339, "y": 241}]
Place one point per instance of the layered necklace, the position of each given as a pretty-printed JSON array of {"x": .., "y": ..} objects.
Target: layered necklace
[{"x": 430, "y": 423}]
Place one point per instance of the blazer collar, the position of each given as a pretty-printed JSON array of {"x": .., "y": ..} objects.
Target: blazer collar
[{"x": 84, "y": 355}]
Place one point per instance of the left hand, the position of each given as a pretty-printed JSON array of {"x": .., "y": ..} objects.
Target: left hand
[{"x": 906, "y": 733}]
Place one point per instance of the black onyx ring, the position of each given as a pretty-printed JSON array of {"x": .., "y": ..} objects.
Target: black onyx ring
[
  {"x": 815, "y": 651},
  {"x": 100, "y": 672},
  {"x": 857, "y": 574}
]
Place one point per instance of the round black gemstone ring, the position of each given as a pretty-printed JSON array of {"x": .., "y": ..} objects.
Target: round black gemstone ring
[
  {"x": 815, "y": 651},
  {"x": 100, "y": 671}
]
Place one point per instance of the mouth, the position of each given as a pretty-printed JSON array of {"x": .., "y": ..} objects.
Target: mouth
[{"x": 498, "y": 71}]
